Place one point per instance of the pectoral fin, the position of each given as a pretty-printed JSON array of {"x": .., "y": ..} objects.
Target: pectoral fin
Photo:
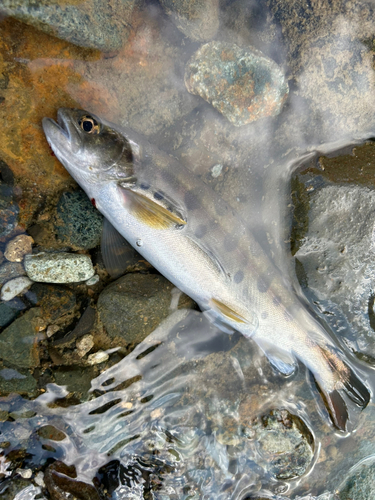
[
  {"x": 152, "y": 213},
  {"x": 116, "y": 251}
]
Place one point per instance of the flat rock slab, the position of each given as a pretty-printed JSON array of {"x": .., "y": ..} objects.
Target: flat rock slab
[
  {"x": 59, "y": 267},
  {"x": 244, "y": 85}
]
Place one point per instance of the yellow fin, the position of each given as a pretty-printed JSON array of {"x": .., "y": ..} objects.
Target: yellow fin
[
  {"x": 227, "y": 311},
  {"x": 150, "y": 212}
]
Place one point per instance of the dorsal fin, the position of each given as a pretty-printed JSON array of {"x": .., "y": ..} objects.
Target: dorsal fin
[{"x": 151, "y": 212}]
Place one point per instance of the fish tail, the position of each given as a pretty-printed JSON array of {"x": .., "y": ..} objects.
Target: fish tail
[{"x": 350, "y": 385}]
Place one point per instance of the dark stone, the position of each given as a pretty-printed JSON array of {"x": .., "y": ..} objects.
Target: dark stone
[
  {"x": 19, "y": 342},
  {"x": 9, "y": 210},
  {"x": 78, "y": 224},
  {"x": 7, "y": 314},
  {"x": 61, "y": 483},
  {"x": 54, "y": 300},
  {"x": 134, "y": 305}
]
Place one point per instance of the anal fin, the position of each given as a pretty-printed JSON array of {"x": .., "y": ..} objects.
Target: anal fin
[
  {"x": 228, "y": 311},
  {"x": 283, "y": 361}
]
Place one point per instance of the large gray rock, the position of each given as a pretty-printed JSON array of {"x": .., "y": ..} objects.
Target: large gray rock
[
  {"x": 338, "y": 258},
  {"x": 134, "y": 305},
  {"x": 93, "y": 23}
]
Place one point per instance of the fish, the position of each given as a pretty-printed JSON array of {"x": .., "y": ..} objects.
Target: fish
[{"x": 198, "y": 242}]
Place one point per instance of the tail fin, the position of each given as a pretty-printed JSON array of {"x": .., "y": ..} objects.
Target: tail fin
[{"x": 354, "y": 388}]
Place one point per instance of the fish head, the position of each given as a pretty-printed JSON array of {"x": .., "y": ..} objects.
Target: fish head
[{"x": 91, "y": 150}]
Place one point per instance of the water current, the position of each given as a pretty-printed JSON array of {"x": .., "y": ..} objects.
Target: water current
[{"x": 193, "y": 412}]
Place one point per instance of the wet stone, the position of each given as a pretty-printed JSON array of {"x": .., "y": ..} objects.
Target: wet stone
[
  {"x": 10, "y": 270},
  {"x": 59, "y": 267},
  {"x": 11, "y": 381},
  {"x": 134, "y": 305},
  {"x": 18, "y": 247},
  {"x": 9, "y": 210},
  {"x": 14, "y": 287},
  {"x": 50, "y": 432},
  {"x": 61, "y": 483},
  {"x": 197, "y": 19},
  {"x": 243, "y": 85},
  {"x": 7, "y": 314},
  {"x": 360, "y": 485},
  {"x": 78, "y": 224},
  {"x": 95, "y": 24},
  {"x": 285, "y": 444},
  {"x": 19, "y": 341},
  {"x": 54, "y": 301}
]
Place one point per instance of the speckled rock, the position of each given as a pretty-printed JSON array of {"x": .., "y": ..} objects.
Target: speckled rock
[
  {"x": 18, "y": 247},
  {"x": 197, "y": 19},
  {"x": 285, "y": 443},
  {"x": 19, "y": 341},
  {"x": 59, "y": 267},
  {"x": 78, "y": 223},
  {"x": 96, "y": 24},
  {"x": 134, "y": 305},
  {"x": 243, "y": 85},
  {"x": 14, "y": 287}
]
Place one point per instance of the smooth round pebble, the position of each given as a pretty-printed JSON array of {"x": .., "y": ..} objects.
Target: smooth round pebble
[
  {"x": 18, "y": 247},
  {"x": 93, "y": 281},
  {"x": 59, "y": 267},
  {"x": 14, "y": 287},
  {"x": 84, "y": 345},
  {"x": 97, "y": 357}
]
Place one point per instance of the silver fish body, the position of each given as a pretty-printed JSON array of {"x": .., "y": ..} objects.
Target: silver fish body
[{"x": 196, "y": 240}]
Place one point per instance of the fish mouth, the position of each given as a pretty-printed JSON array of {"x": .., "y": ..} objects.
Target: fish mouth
[{"x": 62, "y": 135}]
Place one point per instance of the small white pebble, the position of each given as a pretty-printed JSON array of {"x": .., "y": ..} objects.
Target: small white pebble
[
  {"x": 216, "y": 170},
  {"x": 39, "y": 479},
  {"x": 93, "y": 281},
  {"x": 97, "y": 357},
  {"x": 14, "y": 287},
  {"x": 25, "y": 473},
  {"x": 52, "y": 329},
  {"x": 84, "y": 345},
  {"x": 18, "y": 247}
]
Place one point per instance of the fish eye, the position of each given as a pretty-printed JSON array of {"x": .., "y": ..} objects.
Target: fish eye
[{"x": 89, "y": 124}]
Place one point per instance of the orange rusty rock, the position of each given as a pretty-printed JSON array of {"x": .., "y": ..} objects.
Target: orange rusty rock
[{"x": 38, "y": 71}]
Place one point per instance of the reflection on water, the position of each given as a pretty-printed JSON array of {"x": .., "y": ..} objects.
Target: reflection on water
[{"x": 191, "y": 412}]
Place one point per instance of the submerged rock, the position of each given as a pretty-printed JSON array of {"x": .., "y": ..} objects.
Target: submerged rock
[
  {"x": 7, "y": 314},
  {"x": 14, "y": 287},
  {"x": 285, "y": 443},
  {"x": 19, "y": 341},
  {"x": 10, "y": 270},
  {"x": 95, "y": 24},
  {"x": 337, "y": 255},
  {"x": 78, "y": 224},
  {"x": 360, "y": 485},
  {"x": 9, "y": 210},
  {"x": 244, "y": 85},
  {"x": 18, "y": 247},
  {"x": 134, "y": 305},
  {"x": 59, "y": 267},
  {"x": 197, "y": 19}
]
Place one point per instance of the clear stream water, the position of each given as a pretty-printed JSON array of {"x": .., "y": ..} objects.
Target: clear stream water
[{"x": 182, "y": 410}]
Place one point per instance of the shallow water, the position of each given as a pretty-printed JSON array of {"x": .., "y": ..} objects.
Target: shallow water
[{"x": 182, "y": 411}]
